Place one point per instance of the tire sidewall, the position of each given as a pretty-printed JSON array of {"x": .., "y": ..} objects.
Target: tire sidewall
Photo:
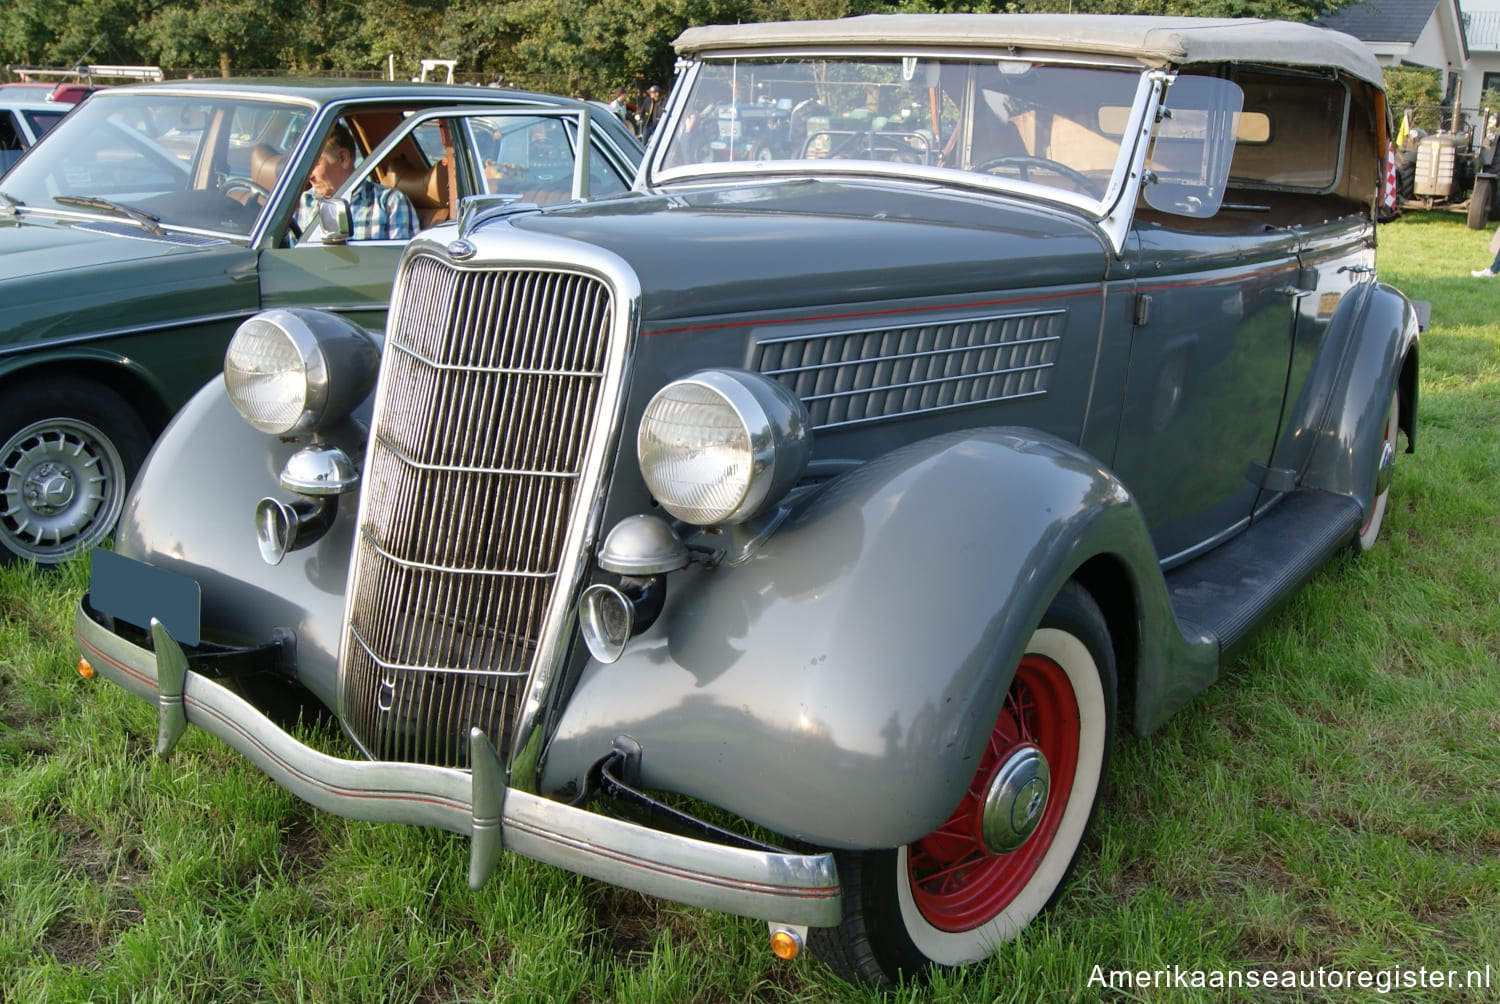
[{"x": 1369, "y": 533}]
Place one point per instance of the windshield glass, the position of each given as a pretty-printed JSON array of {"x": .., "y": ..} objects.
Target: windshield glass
[
  {"x": 1037, "y": 123},
  {"x": 184, "y": 159}
]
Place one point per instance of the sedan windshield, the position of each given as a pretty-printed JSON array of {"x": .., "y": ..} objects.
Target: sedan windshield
[
  {"x": 187, "y": 161},
  {"x": 1056, "y": 126}
]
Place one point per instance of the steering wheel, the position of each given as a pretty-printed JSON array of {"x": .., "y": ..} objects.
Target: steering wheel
[
  {"x": 1024, "y": 162},
  {"x": 230, "y": 185},
  {"x": 890, "y": 147}
]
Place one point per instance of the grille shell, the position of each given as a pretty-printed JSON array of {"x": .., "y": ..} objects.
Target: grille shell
[{"x": 497, "y": 390}]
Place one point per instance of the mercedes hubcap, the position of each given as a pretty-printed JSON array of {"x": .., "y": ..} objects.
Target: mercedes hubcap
[
  {"x": 49, "y": 489},
  {"x": 60, "y": 489}
]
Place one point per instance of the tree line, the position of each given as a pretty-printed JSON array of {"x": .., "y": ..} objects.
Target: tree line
[{"x": 560, "y": 46}]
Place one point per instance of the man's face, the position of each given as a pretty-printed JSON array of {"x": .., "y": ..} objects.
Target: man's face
[{"x": 329, "y": 172}]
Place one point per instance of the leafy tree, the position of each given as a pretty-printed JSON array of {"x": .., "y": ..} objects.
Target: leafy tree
[
  {"x": 1418, "y": 88},
  {"x": 555, "y": 45},
  {"x": 233, "y": 35},
  {"x": 47, "y": 33}
]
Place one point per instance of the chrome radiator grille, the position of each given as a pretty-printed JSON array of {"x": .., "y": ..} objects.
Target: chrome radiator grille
[
  {"x": 862, "y": 376},
  {"x": 490, "y": 392}
]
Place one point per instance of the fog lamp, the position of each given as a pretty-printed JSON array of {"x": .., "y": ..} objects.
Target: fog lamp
[
  {"x": 721, "y": 446},
  {"x": 642, "y": 545}
]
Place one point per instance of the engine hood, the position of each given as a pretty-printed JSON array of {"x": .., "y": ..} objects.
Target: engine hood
[
  {"x": 792, "y": 244},
  {"x": 59, "y": 279}
]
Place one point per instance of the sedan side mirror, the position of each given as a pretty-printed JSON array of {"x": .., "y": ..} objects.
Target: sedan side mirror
[{"x": 333, "y": 221}]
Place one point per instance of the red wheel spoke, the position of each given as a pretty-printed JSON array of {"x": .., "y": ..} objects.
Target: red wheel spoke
[{"x": 956, "y": 882}]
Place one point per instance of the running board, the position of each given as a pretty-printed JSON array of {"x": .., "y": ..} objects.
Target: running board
[{"x": 1227, "y": 591}]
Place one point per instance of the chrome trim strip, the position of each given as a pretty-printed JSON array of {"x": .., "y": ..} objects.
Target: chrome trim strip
[
  {"x": 782, "y": 888},
  {"x": 185, "y": 322},
  {"x": 502, "y": 370},
  {"x": 1130, "y": 171},
  {"x": 447, "y": 670},
  {"x": 419, "y": 465}
]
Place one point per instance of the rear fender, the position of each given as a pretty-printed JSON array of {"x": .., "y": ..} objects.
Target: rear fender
[
  {"x": 840, "y": 685},
  {"x": 1382, "y": 360}
]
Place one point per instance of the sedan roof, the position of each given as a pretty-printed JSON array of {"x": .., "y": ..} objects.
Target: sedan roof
[
  {"x": 325, "y": 89},
  {"x": 1155, "y": 41}
]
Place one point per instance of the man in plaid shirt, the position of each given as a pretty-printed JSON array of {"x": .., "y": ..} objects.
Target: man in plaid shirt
[{"x": 376, "y": 213}]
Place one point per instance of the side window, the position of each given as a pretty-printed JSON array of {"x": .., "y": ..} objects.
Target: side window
[
  {"x": 10, "y": 142},
  {"x": 381, "y": 198},
  {"x": 531, "y": 157},
  {"x": 10, "y": 133},
  {"x": 1299, "y": 137},
  {"x": 42, "y": 121}
]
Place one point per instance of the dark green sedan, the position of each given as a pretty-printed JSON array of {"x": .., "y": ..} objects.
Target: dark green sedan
[{"x": 148, "y": 225}]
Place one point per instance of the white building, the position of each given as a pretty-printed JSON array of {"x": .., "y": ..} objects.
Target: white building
[{"x": 1463, "y": 43}]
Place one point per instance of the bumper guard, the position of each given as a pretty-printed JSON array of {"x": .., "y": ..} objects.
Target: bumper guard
[{"x": 778, "y": 887}]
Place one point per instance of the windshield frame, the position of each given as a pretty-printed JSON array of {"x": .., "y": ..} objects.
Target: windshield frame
[{"x": 659, "y": 174}]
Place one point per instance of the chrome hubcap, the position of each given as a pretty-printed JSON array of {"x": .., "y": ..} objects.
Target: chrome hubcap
[
  {"x": 49, "y": 489},
  {"x": 1014, "y": 802},
  {"x": 1386, "y": 469},
  {"x": 60, "y": 489}
]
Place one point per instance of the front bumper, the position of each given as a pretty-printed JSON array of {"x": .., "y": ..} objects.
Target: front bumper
[{"x": 778, "y": 887}]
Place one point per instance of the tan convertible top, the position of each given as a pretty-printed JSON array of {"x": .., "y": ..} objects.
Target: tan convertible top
[{"x": 1156, "y": 41}]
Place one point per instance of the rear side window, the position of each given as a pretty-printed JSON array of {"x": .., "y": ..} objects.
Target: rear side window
[{"x": 1291, "y": 134}]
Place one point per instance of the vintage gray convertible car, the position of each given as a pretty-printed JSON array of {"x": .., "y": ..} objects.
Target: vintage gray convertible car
[{"x": 858, "y": 490}]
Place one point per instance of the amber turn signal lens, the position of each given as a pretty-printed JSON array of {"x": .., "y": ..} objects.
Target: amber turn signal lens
[
  {"x": 85, "y": 670},
  {"x": 785, "y": 944}
]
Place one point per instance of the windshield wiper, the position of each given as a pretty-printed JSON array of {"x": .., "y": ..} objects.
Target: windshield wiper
[
  {"x": 11, "y": 204},
  {"x": 144, "y": 219}
]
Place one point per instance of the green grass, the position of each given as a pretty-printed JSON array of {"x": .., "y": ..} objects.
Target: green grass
[{"x": 1333, "y": 802}]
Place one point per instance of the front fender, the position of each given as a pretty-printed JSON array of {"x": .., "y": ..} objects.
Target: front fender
[
  {"x": 191, "y": 511},
  {"x": 840, "y": 685}
]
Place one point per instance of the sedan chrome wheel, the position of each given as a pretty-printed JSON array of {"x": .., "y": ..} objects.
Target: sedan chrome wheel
[
  {"x": 61, "y": 489},
  {"x": 68, "y": 451}
]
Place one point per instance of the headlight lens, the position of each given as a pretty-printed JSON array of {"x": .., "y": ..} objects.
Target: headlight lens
[
  {"x": 721, "y": 446},
  {"x": 296, "y": 370}
]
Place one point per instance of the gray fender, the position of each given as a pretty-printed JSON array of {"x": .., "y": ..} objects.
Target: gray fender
[
  {"x": 840, "y": 685},
  {"x": 1381, "y": 359},
  {"x": 191, "y": 511}
]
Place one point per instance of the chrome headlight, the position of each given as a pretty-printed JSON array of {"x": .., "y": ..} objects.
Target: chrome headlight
[
  {"x": 296, "y": 370},
  {"x": 721, "y": 446}
]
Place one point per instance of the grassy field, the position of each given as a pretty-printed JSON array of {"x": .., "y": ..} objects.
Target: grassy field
[{"x": 1333, "y": 803}]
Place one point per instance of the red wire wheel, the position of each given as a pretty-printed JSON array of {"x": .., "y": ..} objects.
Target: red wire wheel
[
  {"x": 949, "y": 898},
  {"x": 956, "y": 881}
]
